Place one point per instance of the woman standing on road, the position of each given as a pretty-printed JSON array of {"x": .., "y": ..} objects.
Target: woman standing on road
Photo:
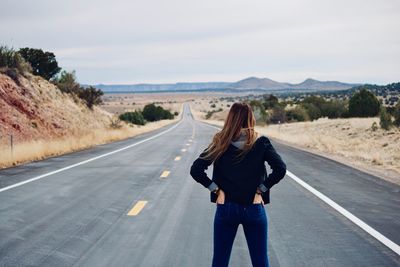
[{"x": 238, "y": 185}]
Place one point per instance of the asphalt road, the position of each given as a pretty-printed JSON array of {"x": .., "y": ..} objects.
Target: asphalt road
[{"x": 133, "y": 203}]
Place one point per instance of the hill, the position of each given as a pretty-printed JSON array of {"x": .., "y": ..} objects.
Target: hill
[
  {"x": 35, "y": 109},
  {"x": 248, "y": 84},
  {"x": 307, "y": 85}
]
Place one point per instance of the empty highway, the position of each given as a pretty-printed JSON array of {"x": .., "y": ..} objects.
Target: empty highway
[{"x": 134, "y": 203}]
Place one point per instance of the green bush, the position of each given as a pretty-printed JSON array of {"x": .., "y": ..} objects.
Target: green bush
[
  {"x": 385, "y": 119},
  {"x": 278, "y": 115},
  {"x": 333, "y": 109},
  {"x": 312, "y": 110},
  {"x": 135, "y": 117},
  {"x": 9, "y": 58},
  {"x": 396, "y": 115},
  {"x": 259, "y": 112},
  {"x": 91, "y": 95},
  {"x": 363, "y": 104},
  {"x": 297, "y": 114},
  {"x": 67, "y": 83},
  {"x": 152, "y": 112},
  {"x": 270, "y": 101},
  {"x": 43, "y": 63},
  {"x": 315, "y": 100}
]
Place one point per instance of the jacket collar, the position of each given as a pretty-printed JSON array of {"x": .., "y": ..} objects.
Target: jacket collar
[{"x": 240, "y": 142}]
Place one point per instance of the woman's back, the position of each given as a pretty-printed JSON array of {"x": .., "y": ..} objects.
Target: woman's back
[{"x": 240, "y": 180}]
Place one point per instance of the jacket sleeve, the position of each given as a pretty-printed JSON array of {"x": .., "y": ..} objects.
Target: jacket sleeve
[
  {"x": 197, "y": 171},
  {"x": 276, "y": 163}
]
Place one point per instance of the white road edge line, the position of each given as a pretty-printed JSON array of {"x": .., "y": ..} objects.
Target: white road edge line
[
  {"x": 381, "y": 238},
  {"x": 87, "y": 161}
]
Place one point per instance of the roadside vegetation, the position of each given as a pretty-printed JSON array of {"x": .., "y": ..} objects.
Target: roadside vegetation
[
  {"x": 362, "y": 104},
  {"x": 150, "y": 113},
  {"x": 44, "y": 64}
]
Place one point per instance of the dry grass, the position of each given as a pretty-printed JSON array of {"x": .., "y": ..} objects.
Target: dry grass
[
  {"x": 349, "y": 141},
  {"x": 41, "y": 149}
]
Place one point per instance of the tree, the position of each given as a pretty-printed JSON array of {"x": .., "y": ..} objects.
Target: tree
[
  {"x": 91, "y": 95},
  {"x": 43, "y": 63},
  {"x": 270, "y": 101},
  {"x": 364, "y": 104}
]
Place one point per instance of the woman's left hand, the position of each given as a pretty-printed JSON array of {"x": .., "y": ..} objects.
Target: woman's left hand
[
  {"x": 258, "y": 199},
  {"x": 221, "y": 197}
]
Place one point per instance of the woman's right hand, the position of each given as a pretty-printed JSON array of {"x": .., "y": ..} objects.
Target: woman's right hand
[{"x": 221, "y": 197}]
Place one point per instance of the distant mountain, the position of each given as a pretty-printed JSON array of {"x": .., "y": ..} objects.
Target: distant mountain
[
  {"x": 248, "y": 84},
  {"x": 309, "y": 84},
  {"x": 162, "y": 87},
  {"x": 257, "y": 83}
]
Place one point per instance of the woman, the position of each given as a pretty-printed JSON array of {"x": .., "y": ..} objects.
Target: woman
[{"x": 238, "y": 185}]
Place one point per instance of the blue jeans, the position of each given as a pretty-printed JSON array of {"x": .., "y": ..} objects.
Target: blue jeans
[{"x": 227, "y": 218}]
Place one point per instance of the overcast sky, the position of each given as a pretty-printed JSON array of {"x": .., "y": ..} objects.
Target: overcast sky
[{"x": 131, "y": 41}]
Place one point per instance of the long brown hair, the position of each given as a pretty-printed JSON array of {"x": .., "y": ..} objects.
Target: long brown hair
[{"x": 240, "y": 118}]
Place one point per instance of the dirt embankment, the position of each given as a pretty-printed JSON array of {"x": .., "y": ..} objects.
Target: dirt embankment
[
  {"x": 350, "y": 141},
  {"x": 36, "y": 109},
  {"x": 46, "y": 122}
]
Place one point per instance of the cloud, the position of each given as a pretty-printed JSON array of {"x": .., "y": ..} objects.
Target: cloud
[{"x": 125, "y": 41}]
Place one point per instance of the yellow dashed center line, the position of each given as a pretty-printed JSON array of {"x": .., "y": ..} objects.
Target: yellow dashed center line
[
  {"x": 137, "y": 208},
  {"x": 177, "y": 158},
  {"x": 165, "y": 174}
]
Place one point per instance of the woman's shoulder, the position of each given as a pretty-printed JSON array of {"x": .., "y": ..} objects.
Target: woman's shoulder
[{"x": 262, "y": 139}]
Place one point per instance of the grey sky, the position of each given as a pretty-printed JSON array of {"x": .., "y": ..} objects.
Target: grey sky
[{"x": 130, "y": 41}]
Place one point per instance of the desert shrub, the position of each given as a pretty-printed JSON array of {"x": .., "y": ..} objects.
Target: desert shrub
[
  {"x": 374, "y": 126},
  {"x": 135, "y": 117},
  {"x": 385, "y": 120},
  {"x": 13, "y": 74},
  {"x": 259, "y": 112},
  {"x": 9, "y": 58},
  {"x": 278, "y": 115},
  {"x": 312, "y": 110},
  {"x": 315, "y": 100},
  {"x": 363, "y": 104},
  {"x": 209, "y": 114},
  {"x": 152, "y": 112},
  {"x": 67, "y": 83},
  {"x": 115, "y": 123},
  {"x": 43, "y": 63},
  {"x": 333, "y": 109},
  {"x": 212, "y": 105},
  {"x": 297, "y": 114},
  {"x": 270, "y": 101},
  {"x": 396, "y": 115},
  {"x": 91, "y": 96},
  {"x": 176, "y": 113}
]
